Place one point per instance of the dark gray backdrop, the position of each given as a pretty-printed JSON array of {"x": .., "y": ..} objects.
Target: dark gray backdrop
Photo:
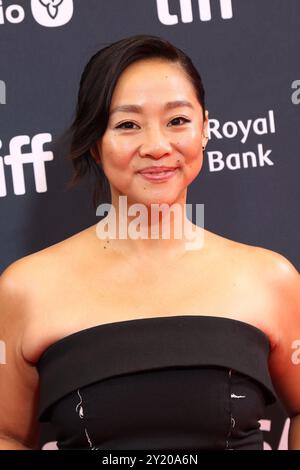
[{"x": 248, "y": 56}]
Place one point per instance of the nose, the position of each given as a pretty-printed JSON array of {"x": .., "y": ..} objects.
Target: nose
[{"x": 156, "y": 144}]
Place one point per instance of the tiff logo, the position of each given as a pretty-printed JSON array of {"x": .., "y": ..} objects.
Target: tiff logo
[
  {"x": 186, "y": 12},
  {"x": 2, "y": 92},
  {"x": 16, "y": 159}
]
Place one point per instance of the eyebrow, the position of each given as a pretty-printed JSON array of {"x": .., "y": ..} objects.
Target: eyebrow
[{"x": 135, "y": 108}]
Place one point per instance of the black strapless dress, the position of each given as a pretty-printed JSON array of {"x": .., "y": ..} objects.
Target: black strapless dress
[{"x": 183, "y": 382}]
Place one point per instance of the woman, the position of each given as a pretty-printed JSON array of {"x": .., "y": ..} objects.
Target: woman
[{"x": 145, "y": 343}]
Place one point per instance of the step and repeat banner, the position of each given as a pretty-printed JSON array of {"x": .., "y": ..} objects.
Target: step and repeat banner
[{"x": 247, "y": 52}]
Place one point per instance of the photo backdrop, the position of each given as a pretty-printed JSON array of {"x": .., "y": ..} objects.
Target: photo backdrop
[{"x": 247, "y": 53}]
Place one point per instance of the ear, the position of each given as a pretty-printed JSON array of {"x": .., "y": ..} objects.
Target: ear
[
  {"x": 205, "y": 130},
  {"x": 95, "y": 153}
]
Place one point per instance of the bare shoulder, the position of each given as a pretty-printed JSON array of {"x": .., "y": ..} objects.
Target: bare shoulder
[
  {"x": 268, "y": 264},
  {"x": 282, "y": 281},
  {"x": 19, "y": 384},
  {"x": 268, "y": 283},
  {"x": 14, "y": 281},
  {"x": 35, "y": 288},
  {"x": 17, "y": 284},
  {"x": 273, "y": 263},
  {"x": 43, "y": 261},
  {"x": 32, "y": 279},
  {"x": 277, "y": 273},
  {"x": 270, "y": 269},
  {"x": 275, "y": 279}
]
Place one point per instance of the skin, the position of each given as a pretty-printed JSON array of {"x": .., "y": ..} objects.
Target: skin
[{"x": 154, "y": 136}]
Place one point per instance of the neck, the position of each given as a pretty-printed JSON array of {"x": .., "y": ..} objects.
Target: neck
[{"x": 144, "y": 231}]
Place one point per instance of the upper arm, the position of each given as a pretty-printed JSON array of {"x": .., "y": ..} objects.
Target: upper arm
[
  {"x": 18, "y": 378},
  {"x": 284, "y": 360}
]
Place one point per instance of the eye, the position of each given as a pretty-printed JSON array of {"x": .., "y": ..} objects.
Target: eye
[
  {"x": 120, "y": 126},
  {"x": 180, "y": 117}
]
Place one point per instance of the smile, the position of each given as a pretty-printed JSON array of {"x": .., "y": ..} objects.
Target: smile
[{"x": 159, "y": 176}]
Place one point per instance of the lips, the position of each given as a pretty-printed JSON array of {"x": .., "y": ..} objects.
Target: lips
[
  {"x": 158, "y": 176},
  {"x": 157, "y": 169}
]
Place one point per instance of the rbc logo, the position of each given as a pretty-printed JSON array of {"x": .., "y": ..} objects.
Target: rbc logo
[
  {"x": 204, "y": 9},
  {"x": 52, "y": 13}
]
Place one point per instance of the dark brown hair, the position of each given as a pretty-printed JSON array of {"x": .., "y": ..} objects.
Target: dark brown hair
[{"x": 97, "y": 84}]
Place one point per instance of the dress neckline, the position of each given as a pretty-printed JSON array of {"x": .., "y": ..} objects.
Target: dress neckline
[{"x": 132, "y": 321}]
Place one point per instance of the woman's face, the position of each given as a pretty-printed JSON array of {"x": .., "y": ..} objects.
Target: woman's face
[{"x": 155, "y": 135}]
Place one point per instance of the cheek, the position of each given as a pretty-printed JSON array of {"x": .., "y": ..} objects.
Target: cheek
[
  {"x": 191, "y": 149},
  {"x": 190, "y": 144},
  {"x": 116, "y": 153}
]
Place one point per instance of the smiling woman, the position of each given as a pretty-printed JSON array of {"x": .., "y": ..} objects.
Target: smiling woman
[
  {"x": 163, "y": 137},
  {"x": 148, "y": 70},
  {"x": 140, "y": 343}
]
